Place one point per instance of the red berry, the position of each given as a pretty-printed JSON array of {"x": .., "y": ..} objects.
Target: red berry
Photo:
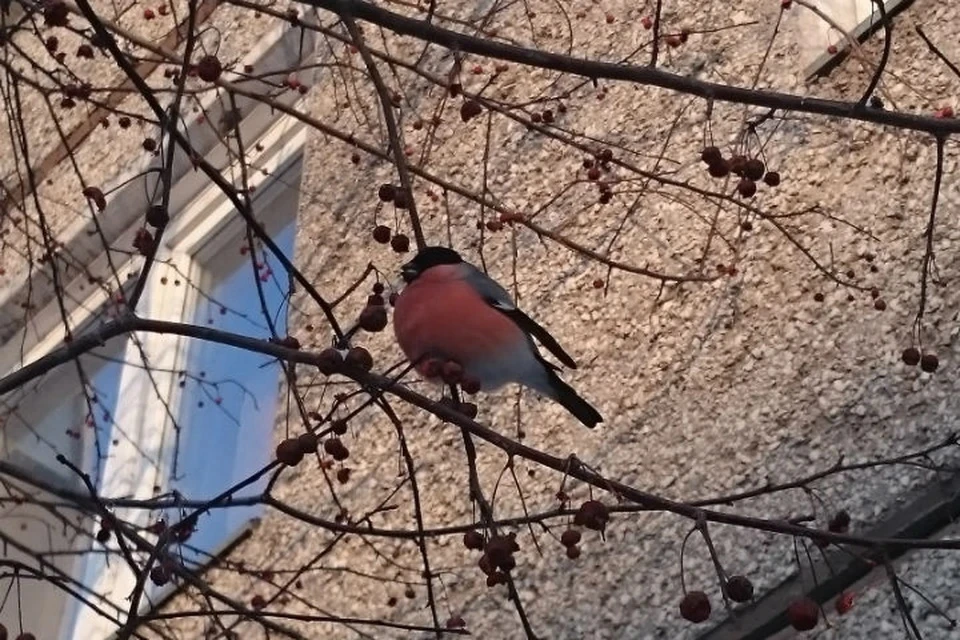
[
  {"x": 258, "y": 602},
  {"x": 803, "y": 614},
  {"x": 695, "y": 607},
  {"x": 598, "y": 283},
  {"x": 456, "y": 622},
  {"x": 593, "y": 173},
  {"x": 844, "y": 602},
  {"x": 573, "y": 552},
  {"x": 148, "y": 14},
  {"x": 647, "y": 22},
  {"x": 832, "y": 49}
]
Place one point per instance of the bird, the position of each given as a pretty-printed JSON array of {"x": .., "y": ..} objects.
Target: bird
[{"x": 449, "y": 310}]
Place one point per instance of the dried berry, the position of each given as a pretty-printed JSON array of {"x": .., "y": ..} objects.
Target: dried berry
[
  {"x": 339, "y": 426},
  {"x": 738, "y": 164},
  {"x": 289, "y": 452},
  {"x": 328, "y": 361},
  {"x": 400, "y": 243},
  {"x": 929, "y": 363},
  {"x": 470, "y": 109},
  {"x": 911, "y": 356},
  {"x": 803, "y": 614},
  {"x": 720, "y": 169},
  {"x": 381, "y": 234},
  {"x": 879, "y": 304},
  {"x": 739, "y": 588},
  {"x": 747, "y": 187},
  {"x": 360, "y": 358},
  {"x": 473, "y": 540},
  {"x": 772, "y": 178},
  {"x": 753, "y": 169},
  {"x": 570, "y": 537},
  {"x": 499, "y": 551},
  {"x": 373, "y": 318},
  {"x": 308, "y": 442},
  {"x": 343, "y": 475},
  {"x": 695, "y": 606},
  {"x": 336, "y": 449},
  {"x": 209, "y": 68},
  {"x": 456, "y": 622},
  {"x": 157, "y": 216},
  {"x": 470, "y": 385},
  {"x": 573, "y": 552},
  {"x": 159, "y": 576},
  {"x": 592, "y": 514},
  {"x": 386, "y": 192},
  {"x": 711, "y": 155}
]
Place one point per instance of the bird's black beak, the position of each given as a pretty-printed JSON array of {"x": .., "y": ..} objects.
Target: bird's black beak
[{"x": 409, "y": 272}]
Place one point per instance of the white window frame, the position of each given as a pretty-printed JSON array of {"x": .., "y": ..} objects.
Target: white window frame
[
  {"x": 854, "y": 18},
  {"x": 274, "y": 142},
  {"x": 186, "y": 235}
]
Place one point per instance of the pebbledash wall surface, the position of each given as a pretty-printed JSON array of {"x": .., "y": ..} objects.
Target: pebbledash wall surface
[{"x": 708, "y": 389}]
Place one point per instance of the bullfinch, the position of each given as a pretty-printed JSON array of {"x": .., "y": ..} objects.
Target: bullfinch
[{"x": 450, "y": 310}]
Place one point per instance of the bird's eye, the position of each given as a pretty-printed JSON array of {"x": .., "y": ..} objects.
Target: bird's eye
[{"x": 409, "y": 272}]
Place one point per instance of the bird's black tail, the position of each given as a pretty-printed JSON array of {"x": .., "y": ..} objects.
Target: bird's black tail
[{"x": 572, "y": 402}]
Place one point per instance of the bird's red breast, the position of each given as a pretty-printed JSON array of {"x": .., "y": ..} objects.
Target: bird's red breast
[{"x": 439, "y": 315}]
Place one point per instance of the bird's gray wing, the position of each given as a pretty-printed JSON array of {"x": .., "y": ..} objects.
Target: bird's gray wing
[{"x": 498, "y": 298}]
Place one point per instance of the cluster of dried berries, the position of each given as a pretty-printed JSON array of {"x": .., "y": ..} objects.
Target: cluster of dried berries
[
  {"x": 928, "y": 362},
  {"x": 750, "y": 170},
  {"x": 497, "y": 559}
]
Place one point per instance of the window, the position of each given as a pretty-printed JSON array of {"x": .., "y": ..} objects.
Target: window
[
  {"x": 227, "y": 399},
  {"x": 70, "y": 412},
  {"x": 824, "y": 30},
  {"x": 197, "y": 421}
]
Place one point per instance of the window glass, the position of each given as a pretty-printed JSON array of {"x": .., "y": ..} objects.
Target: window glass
[
  {"x": 229, "y": 396},
  {"x": 50, "y": 417}
]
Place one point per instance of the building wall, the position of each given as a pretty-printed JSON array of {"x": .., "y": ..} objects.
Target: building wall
[{"x": 708, "y": 389}]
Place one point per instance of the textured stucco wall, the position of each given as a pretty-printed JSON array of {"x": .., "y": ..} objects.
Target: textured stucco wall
[{"x": 708, "y": 389}]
